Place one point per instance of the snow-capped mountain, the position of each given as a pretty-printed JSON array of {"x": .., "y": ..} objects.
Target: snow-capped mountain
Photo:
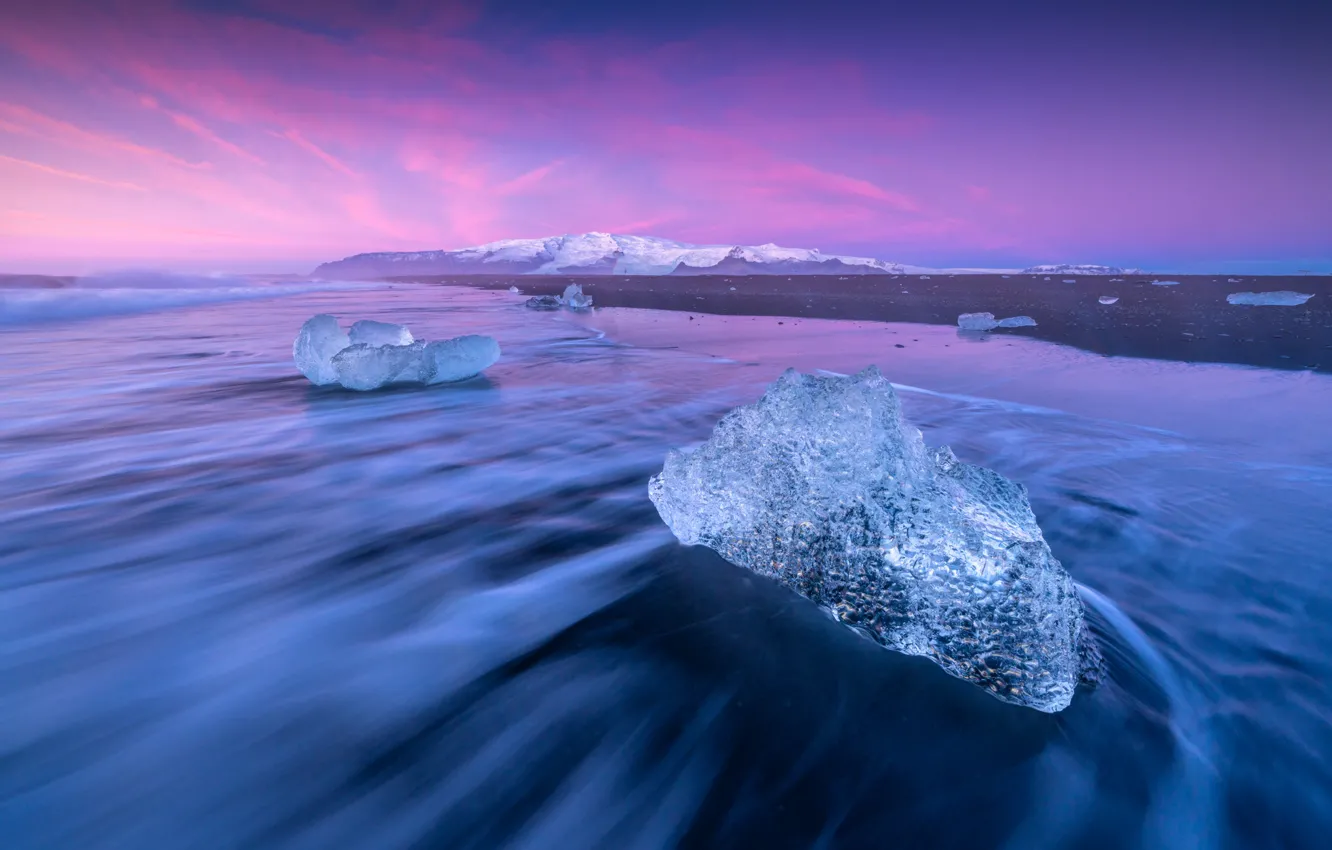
[
  {"x": 605, "y": 253},
  {"x": 1079, "y": 268}
]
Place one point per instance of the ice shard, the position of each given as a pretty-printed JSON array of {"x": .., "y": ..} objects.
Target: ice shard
[
  {"x": 574, "y": 298},
  {"x": 1017, "y": 322},
  {"x": 977, "y": 322},
  {"x": 371, "y": 332},
  {"x": 319, "y": 339},
  {"x": 544, "y": 302},
  {"x": 823, "y": 486}
]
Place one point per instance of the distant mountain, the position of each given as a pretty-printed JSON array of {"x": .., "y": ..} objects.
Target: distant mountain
[
  {"x": 605, "y": 253},
  {"x": 1079, "y": 268}
]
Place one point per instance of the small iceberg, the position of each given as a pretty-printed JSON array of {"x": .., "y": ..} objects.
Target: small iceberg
[
  {"x": 1283, "y": 298},
  {"x": 1165, "y": 283},
  {"x": 377, "y": 354},
  {"x": 1108, "y": 299},
  {"x": 515, "y": 290},
  {"x": 574, "y": 298},
  {"x": 824, "y": 487},
  {"x": 987, "y": 322},
  {"x": 924, "y": 277},
  {"x": 1070, "y": 280},
  {"x": 1233, "y": 280}
]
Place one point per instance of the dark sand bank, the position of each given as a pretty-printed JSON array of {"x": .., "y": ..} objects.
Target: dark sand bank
[{"x": 1190, "y": 322}]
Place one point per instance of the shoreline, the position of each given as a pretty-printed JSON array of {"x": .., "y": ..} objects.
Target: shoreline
[{"x": 1189, "y": 322}]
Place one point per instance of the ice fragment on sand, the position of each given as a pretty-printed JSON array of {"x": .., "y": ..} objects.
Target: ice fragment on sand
[
  {"x": 1070, "y": 280},
  {"x": 459, "y": 358},
  {"x": 1283, "y": 298},
  {"x": 1233, "y": 280},
  {"x": 1108, "y": 299},
  {"x": 371, "y": 332},
  {"x": 977, "y": 322},
  {"x": 326, "y": 355},
  {"x": 1017, "y": 322},
  {"x": 1165, "y": 283},
  {"x": 823, "y": 486},
  {"x": 369, "y": 367},
  {"x": 514, "y": 290},
  {"x": 544, "y": 302},
  {"x": 574, "y": 298},
  {"x": 320, "y": 338}
]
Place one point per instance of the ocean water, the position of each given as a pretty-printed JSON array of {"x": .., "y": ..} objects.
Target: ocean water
[{"x": 240, "y": 611}]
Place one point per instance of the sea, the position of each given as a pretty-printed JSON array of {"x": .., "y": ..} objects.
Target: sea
[{"x": 241, "y": 611}]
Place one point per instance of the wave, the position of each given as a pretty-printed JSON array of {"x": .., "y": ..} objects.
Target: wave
[{"x": 20, "y": 307}]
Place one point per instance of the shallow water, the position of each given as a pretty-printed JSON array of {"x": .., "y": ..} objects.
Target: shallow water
[{"x": 237, "y": 610}]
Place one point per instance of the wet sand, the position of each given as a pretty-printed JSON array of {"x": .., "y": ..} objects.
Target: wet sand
[{"x": 1190, "y": 322}]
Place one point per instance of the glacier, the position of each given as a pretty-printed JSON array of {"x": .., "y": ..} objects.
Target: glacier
[
  {"x": 1282, "y": 298},
  {"x": 377, "y": 354},
  {"x": 823, "y": 486},
  {"x": 1078, "y": 268}
]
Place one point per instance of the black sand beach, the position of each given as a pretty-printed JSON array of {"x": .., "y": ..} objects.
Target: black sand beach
[{"x": 1190, "y": 322}]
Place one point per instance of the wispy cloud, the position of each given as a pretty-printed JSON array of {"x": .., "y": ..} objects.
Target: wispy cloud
[
  {"x": 328, "y": 159},
  {"x": 71, "y": 175},
  {"x": 23, "y": 120},
  {"x": 526, "y": 181}
]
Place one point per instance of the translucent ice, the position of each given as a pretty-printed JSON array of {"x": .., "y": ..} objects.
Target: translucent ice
[
  {"x": 1283, "y": 298},
  {"x": 326, "y": 355},
  {"x": 380, "y": 333},
  {"x": 514, "y": 290},
  {"x": 1165, "y": 283},
  {"x": 544, "y": 302},
  {"x": 977, "y": 322},
  {"x": 320, "y": 338},
  {"x": 823, "y": 486},
  {"x": 574, "y": 298},
  {"x": 1108, "y": 299},
  {"x": 369, "y": 367},
  {"x": 459, "y": 358},
  {"x": 1017, "y": 322}
]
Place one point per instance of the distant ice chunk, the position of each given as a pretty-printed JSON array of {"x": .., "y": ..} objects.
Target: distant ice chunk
[
  {"x": 924, "y": 277},
  {"x": 1165, "y": 283},
  {"x": 1070, "y": 280},
  {"x": 1282, "y": 298},
  {"x": 459, "y": 358},
  {"x": 515, "y": 290},
  {"x": 1017, "y": 322},
  {"x": 371, "y": 332},
  {"x": 544, "y": 302},
  {"x": 1108, "y": 299},
  {"x": 977, "y": 322},
  {"x": 1233, "y": 280},
  {"x": 319, "y": 339},
  {"x": 574, "y": 298},
  {"x": 824, "y": 487}
]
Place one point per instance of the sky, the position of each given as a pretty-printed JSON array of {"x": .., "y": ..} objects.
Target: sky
[{"x": 263, "y": 135}]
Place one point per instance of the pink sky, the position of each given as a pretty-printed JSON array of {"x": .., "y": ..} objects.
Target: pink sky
[{"x": 192, "y": 138}]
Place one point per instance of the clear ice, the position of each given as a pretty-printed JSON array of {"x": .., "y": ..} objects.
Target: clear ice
[
  {"x": 823, "y": 486},
  {"x": 327, "y": 355},
  {"x": 1108, "y": 299},
  {"x": 319, "y": 340},
  {"x": 371, "y": 332},
  {"x": 1017, "y": 322},
  {"x": 1283, "y": 298},
  {"x": 574, "y": 298},
  {"x": 977, "y": 322}
]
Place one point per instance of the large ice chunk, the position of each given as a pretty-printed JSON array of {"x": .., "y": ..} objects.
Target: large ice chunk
[
  {"x": 369, "y": 367},
  {"x": 977, "y": 322},
  {"x": 574, "y": 298},
  {"x": 320, "y": 338},
  {"x": 459, "y": 358},
  {"x": 371, "y": 332},
  {"x": 326, "y": 355},
  {"x": 1017, "y": 322},
  {"x": 1281, "y": 298},
  {"x": 824, "y": 487}
]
